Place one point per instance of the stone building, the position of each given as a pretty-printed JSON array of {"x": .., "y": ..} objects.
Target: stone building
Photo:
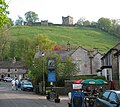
[
  {"x": 67, "y": 20},
  {"x": 44, "y": 22},
  {"x": 13, "y": 69},
  {"x": 111, "y": 64},
  {"x": 88, "y": 62}
]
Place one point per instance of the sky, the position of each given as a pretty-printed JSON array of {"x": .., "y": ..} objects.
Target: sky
[{"x": 53, "y": 10}]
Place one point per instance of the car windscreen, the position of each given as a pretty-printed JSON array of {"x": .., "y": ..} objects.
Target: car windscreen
[
  {"x": 106, "y": 94},
  {"x": 27, "y": 83}
]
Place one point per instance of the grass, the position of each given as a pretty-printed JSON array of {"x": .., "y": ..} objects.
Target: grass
[{"x": 86, "y": 37}]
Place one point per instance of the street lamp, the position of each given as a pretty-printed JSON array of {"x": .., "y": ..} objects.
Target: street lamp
[{"x": 43, "y": 89}]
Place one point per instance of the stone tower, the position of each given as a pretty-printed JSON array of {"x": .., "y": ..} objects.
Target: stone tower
[{"x": 67, "y": 20}]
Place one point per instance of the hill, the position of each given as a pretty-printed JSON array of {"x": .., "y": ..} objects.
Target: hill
[{"x": 85, "y": 37}]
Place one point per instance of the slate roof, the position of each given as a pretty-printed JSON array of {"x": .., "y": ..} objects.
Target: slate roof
[
  {"x": 8, "y": 64},
  {"x": 64, "y": 52}
]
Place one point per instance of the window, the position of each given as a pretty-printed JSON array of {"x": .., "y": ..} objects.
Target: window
[
  {"x": 8, "y": 69},
  {"x": 113, "y": 97},
  {"x": 78, "y": 66},
  {"x": 119, "y": 97},
  {"x": 106, "y": 94}
]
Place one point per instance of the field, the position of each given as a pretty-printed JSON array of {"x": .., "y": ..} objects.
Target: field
[{"x": 86, "y": 37}]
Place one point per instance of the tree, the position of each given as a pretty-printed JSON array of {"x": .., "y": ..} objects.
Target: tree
[
  {"x": 86, "y": 23},
  {"x": 59, "y": 47},
  {"x": 3, "y": 14},
  {"x": 4, "y": 40},
  {"x": 44, "y": 42},
  {"x": 68, "y": 70},
  {"x": 93, "y": 23},
  {"x": 63, "y": 70},
  {"x": 19, "y": 21},
  {"x": 104, "y": 24},
  {"x": 80, "y": 21},
  {"x": 31, "y": 17},
  {"x": 36, "y": 71}
]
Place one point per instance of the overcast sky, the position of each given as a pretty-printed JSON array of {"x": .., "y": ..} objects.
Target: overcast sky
[{"x": 53, "y": 10}]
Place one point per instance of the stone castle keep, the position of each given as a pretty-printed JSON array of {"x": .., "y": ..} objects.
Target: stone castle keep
[{"x": 66, "y": 21}]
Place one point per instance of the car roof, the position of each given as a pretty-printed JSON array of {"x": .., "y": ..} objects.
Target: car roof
[{"x": 116, "y": 91}]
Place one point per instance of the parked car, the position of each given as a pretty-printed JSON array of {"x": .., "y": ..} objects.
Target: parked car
[
  {"x": 26, "y": 85},
  {"x": 110, "y": 98},
  {"x": 7, "y": 79}
]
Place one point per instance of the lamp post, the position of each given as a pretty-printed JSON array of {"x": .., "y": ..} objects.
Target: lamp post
[{"x": 43, "y": 89}]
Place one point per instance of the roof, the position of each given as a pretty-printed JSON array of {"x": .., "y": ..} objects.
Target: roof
[
  {"x": 64, "y": 53},
  {"x": 109, "y": 51},
  {"x": 9, "y": 64},
  {"x": 116, "y": 91},
  {"x": 117, "y": 53}
]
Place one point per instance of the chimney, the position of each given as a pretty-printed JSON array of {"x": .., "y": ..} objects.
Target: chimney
[{"x": 68, "y": 46}]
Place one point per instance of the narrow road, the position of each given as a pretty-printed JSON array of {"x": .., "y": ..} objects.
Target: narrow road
[{"x": 13, "y": 98}]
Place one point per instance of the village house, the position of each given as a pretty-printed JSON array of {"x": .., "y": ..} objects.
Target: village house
[
  {"x": 12, "y": 69},
  {"x": 111, "y": 64},
  {"x": 88, "y": 61}
]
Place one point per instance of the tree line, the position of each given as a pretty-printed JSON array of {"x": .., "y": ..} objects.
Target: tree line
[{"x": 111, "y": 26}]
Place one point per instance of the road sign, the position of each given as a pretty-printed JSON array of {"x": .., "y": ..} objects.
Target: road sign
[
  {"x": 51, "y": 63},
  {"x": 51, "y": 76}
]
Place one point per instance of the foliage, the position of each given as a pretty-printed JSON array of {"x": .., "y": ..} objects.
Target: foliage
[
  {"x": 66, "y": 70},
  {"x": 4, "y": 41},
  {"x": 99, "y": 77},
  {"x": 19, "y": 48},
  {"x": 115, "y": 28},
  {"x": 63, "y": 70},
  {"x": 81, "y": 21},
  {"x": 3, "y": 13},
  {"x": 36, "y": 71},
  {"x": 104, "y": 24},
  {"x": 19, "y": 21},
  {"x": 44, "y": 42},
  {"x": 59, "y": 47},
  {"x": 86, "y": 23},
  {"x": 31, "y": 17}
]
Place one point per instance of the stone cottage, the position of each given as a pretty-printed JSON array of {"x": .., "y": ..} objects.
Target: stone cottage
[
  {"x": 88, "y": 62},
  {"x": 11, "y": 69}
]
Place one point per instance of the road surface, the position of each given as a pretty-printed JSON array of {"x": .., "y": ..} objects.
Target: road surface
[{"x": 18, "y": 98}]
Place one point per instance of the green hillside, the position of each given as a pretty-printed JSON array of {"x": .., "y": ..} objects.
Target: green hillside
[{"x": 85, "y": 37}]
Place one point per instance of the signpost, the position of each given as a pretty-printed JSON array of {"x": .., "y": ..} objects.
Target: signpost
[
  {"x": 51, "y": 70},
  {"x": 52, "y": 76}
]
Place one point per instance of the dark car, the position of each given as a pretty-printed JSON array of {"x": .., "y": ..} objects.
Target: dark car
[
  {"x": 26, "y": 85},
  {"x": 110, "y": 98}
]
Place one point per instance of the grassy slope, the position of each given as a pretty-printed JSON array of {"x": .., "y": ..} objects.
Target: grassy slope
[{"x": 85, "y": 37}]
